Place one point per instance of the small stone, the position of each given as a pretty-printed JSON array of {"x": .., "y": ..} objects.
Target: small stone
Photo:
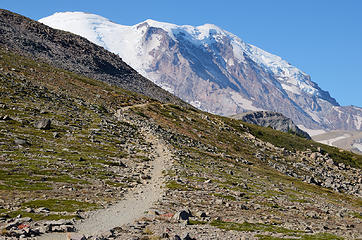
[
  {"x": 21, "y": 142},
  {"x": 182, "y": 215},
  {"x": 6, "y": 118},
  {"x": 201, "y": 214},
  {"x": 29, "y": 210},
  {"x": 153, "y": 212},
  {"x": 165, "y": 235},
  {"x": 187, "y": 237},
  {"x": 43, "y": 124},
  {"x": 42, "y": 210}
]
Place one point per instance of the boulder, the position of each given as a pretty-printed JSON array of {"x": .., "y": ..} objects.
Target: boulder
[
  {"x": 21, "y": 142},
  {"x": 182, "y": 215},
  {"x": 43, "y": 124}
]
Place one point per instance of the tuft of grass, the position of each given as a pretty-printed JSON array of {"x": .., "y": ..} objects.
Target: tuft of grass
[
  {"x": 59, "y": 205},
  {"x": 196, "y": 222},
  {"x": 177, "y": 186},
  {"x": 228, "y": 197},
  {"x": 38, "y": 216},
  {"x": 357, "y": 215}
]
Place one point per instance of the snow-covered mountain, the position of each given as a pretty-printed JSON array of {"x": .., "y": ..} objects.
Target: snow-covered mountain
[{"x": 213, "y": 69}]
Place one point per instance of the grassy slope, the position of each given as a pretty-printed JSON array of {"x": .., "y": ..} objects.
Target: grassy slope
[
  {"x": 212, "y": 143},
  {"x": 79, "y": 164}
]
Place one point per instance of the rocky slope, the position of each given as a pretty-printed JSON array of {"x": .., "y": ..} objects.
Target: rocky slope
[
  {"x": 70, "y": 144},
  {"x": 274, "y": 120},
  {"x": 74, "y": 53},
  {"x": 229, "y": 179},
  {"x": 214, "y": 70}
]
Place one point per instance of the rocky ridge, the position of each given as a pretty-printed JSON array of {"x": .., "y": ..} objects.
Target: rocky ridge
[{"x": 274, "y": 120}]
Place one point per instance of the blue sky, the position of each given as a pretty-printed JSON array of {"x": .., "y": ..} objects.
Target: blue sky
[{"x": 321, "y": 37}]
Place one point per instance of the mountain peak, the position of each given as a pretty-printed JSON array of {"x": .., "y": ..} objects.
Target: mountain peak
[
  {"x": 75, "y": 14},
  {"x": 213, "y": 69}
]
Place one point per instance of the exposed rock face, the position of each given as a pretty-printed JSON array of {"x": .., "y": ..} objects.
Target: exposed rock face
[
  {"x": 214, "y": 70},
  {"x": 73, "y": 53},
  {"x": 274, "y": 120}
]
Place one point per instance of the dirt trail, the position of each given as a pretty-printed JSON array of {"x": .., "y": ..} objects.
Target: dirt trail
[{"x": 135, "y": 203}]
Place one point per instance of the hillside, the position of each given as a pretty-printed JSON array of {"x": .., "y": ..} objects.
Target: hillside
[
  {"x": 232, "y": 179},
  {"x": 74, "y": 53},
  {"x": 214, "y": 70}
]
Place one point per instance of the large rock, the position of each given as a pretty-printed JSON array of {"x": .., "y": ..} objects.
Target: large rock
[
  {"x": 21, "y": 142},
  {"x": 43, "y": 124},
  {"x": 182, "y": 215}
]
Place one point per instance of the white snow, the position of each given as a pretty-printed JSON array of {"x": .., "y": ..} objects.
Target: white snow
[
  {"x": 291, "y": 77},
  {"x": 128, "y": 43},
  {"x": 358, "y": 122},
  {"x": 291, "y": 88},
  {"x": 333, "y": 140},
  {"x": 311, "y": 132},
  {"x": 358, "y": 146},
  {"x": 196, "y": 104},
  {"x": 244, "y": 103}
]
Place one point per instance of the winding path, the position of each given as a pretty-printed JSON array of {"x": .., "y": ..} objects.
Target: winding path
[{"x": 135, "y": 203}]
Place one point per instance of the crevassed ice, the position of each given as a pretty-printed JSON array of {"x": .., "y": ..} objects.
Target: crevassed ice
[{"x": 127, "y": 42}]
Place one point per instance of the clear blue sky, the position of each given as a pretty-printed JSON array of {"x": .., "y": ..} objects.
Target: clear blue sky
[{"x": 321, "y": 37}]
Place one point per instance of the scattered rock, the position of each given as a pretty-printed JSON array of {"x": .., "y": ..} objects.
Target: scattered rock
[
  {"x": 43, "y": 124},
  {"x": 21, "y": 142},
  {"x": 182, "y": 215}
]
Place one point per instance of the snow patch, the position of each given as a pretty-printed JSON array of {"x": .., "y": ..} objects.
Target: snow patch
[
  {"x": 243, "y": 103},
  {"x": 358, "y": 146},
  {"x": 126, "y": 41},
  {"x": 311, "y": 132},
  {"x": 196, "y": 104},
  {"x": 333, "y": 140},
  {"x": 291, "y": 88},
  {"x": 358, "y": 122}
]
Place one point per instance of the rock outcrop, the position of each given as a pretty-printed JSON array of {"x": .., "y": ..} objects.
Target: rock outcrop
[{"x": 274, "y": 120}]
